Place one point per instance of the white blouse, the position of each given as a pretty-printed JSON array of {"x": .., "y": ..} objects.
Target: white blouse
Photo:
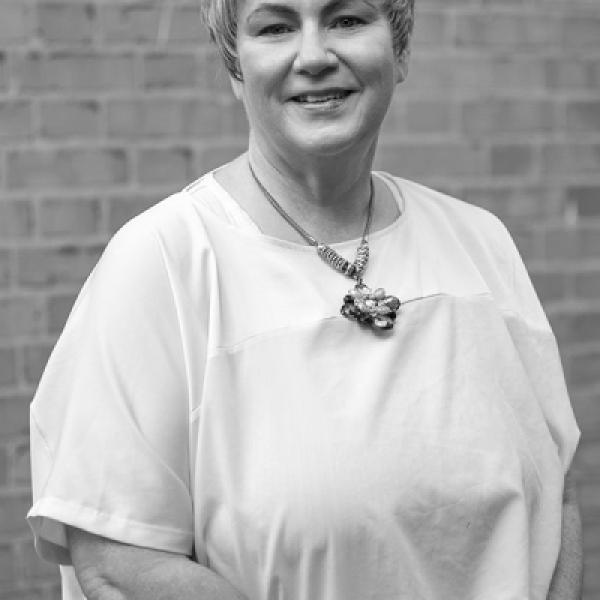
[{"x": 207, "y": 397}]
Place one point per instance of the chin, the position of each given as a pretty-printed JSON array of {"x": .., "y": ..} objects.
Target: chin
[{"x": 331, "y": 143}]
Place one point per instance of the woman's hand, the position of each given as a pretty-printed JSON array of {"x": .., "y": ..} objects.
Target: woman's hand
[
  {"x": 109, "y": 570},
  {"x": 567, "y": 580}
]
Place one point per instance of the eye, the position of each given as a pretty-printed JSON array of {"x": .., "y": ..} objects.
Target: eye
[
  {"x": 275, "y": 29},
  {"x": 347, "y": 22}
]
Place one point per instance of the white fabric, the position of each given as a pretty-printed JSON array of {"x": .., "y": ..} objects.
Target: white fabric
[{"x": 206, "y": 394}]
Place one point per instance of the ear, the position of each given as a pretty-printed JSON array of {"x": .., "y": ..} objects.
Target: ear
[{"x": 402, "y": 66}]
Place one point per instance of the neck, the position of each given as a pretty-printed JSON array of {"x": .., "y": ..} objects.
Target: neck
[{"x": 323, "y": 193}]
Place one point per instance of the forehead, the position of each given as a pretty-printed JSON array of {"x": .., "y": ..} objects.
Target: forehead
[{"x": 303, "y": 6}]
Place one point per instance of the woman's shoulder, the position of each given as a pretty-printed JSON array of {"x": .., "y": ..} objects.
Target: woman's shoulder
[
  {"x": 442, "y": 212},
  {"x": 174, "y": 222},
  {"x": 469, "y": 237},
  {"x": 434, "y": 201}
]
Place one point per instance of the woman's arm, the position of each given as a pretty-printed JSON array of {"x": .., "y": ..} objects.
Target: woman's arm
[
  {"x": 567, "y": 580},
  {"x": 109, "y": 570}
]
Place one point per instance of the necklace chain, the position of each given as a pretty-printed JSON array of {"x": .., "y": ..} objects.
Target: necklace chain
[
  {"x": 376, "y": 309},
  {"x": 328, "y": 254}
]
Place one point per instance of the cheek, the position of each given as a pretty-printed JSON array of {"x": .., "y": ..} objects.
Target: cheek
[
  {"x": 374, "y": 61},
  {"x": 259, "y": 83}
]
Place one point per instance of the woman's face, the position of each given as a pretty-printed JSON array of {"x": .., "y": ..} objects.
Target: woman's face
[{"x": 318, "y": 75}]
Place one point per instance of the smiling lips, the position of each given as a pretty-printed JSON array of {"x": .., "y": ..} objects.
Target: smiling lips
[{"x": 321, "y": 97}]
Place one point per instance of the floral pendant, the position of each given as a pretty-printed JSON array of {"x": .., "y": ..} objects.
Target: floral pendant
[{"x": 375, "y": 308}]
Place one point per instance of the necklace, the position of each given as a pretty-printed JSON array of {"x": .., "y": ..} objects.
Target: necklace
[{"x": 370, "y": 307}]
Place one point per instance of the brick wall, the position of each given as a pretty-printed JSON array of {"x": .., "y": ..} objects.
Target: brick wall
[{"x": 107, "y": 106}]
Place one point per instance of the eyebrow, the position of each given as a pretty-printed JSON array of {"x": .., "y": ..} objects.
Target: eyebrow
[{"x": 287, "y": 11}]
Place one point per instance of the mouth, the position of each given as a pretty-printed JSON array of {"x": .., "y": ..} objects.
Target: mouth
[{"x": 322, "y": 97}]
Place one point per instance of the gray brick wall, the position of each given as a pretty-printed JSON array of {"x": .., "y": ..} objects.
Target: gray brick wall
[{"x": 107, "y": 106}]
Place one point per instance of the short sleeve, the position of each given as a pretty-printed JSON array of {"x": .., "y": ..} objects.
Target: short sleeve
[
  {"x": 110, "y": 419},
  {"x": 538, "y": 350}
]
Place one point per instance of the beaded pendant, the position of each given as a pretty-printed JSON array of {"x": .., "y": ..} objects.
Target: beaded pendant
[{"x": 375, "y": 308}]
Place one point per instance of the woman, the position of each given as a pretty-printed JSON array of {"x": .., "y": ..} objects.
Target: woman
[{"x": 226, "y": 415}]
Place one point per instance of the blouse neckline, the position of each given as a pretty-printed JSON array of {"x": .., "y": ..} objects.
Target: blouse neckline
[{"x": 245, "y": 225}]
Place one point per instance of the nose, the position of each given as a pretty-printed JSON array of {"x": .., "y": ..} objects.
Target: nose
[{"x": 313, "y": 55}]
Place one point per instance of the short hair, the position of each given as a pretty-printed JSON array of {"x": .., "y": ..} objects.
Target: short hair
[{"x": 220, "y": 16}]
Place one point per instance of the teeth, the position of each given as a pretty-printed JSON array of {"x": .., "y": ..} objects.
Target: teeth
[{"x": 319, "y": 98}]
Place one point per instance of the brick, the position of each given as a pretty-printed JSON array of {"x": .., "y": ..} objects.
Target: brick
[
  {"x": 20, "y": 472},
  {"x": 498, "y": 116},
  {"x": 169, "y": 70},
  {"x": 121, "y": 210},
  {"x": 589, "y": 498},
  {"x": 591, "y": 576},
  {"x": 151, "y": 117},
  {"x": 586, "y": 199},
  {"x": 583, "y": 116},
  {"x": 425, "y": 116},
  {"x": 66, "y": 22},
  {"x": 419, "y": 116},
  {"x": 72, "y": 168},
  {"x": 517, "y": 202},
  {"x": 571, "y": 243},
  {"x": 416, "y": 160},
  {"x": 507, "y": 30},
  {"x": 591, "y": 537},
  {"x": 581, "y": 30},
  {"x": 588, "y": 459},
  {"x": 13, "y": 509},
  {"x": 35, "y": 358},
  {"x": 70, "y": 118},
  {"x": 165, "y": 165},
  {"x": 576, "y": 327},
  {"x": 14, "y": 422},
  {"x": 211, "y": 158},
  {"x": 467, "y": 75},
  {"x": 8, "y": 367},
  {"x": 550, "y": 285},
  {"x": 15, "y": 119},
  {"x": 30, "y": 593},
  {"x": 587, "y": 286},
  {"x": 213, "y": 118},
  {"x": 594, "y": 74},
  {"x": 433, "y": 29},
  {"x": 186, "y": 26},
  {"x": 54, "y": 592},
  {"x": 586, "y": 406},
  {"x": 21, "y": 316},
  {"x": 59, "y": 307},
  {"x": 568, "y": 73},
  {"x": 562, "y": 243},
  {"x": 212, "y": 74},
  {"x": 64, "y": 217},
  {"x": 7, "y": 564},
  {"x": 4, "y": 476},
  {"x": 32, "y": 566},
  {"x": 3, "y": 71},
  {"x": 571, "y": 159},
  {"x": 16, "y": 25},
  {"x": 5, "y": 268},
  {"x": 526, "y": 239},
  {"x": 512, "y": 159},
  {"x": 134, "y": 23},
  {"x": 74, "y": 70},
  {"x": 442, "y": 74},
  {"x": 52, "y": 266},
  {"x": 589, "y": 242},
  {"x": 515, "y": 74},
  {"x": 16, "y": 219}
]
